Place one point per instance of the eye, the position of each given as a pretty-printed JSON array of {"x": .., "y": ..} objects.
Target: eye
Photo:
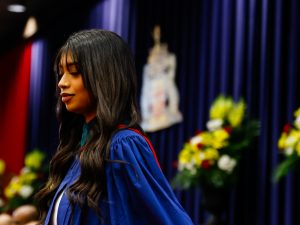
[
  {"x": 74, "y": 73},
  {"x": 73, "y": 70}
]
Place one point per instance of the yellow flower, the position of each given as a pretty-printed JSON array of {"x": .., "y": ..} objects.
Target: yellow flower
[
  {"x": 219, "y": 138},
  {"x": 281, "y": 141},
  {"x": 198, "y": 158},
  {"x": 34, "y": 159},
  {"x": 297, "y": 112},
  {"x": 13, "y": 187},
  {"x": 195, "y": 141},
  {"x": 9, "y": 192},
  {"x": 236, "y": 114},
  {"x": 211, "y": 154},
  {"x": 28, "y": 177},
  {"x": 207, "y": 138},
  {"x": 185, "y": 156},
  {"x": 298, "y": 148},
  {"x": 296, "y": 134},
  {"x": 2, "y": 166},
  {"x": 297, "y": 122},
  {"x": 220, "y": 107},
  {"x": 292, "y": 138}
]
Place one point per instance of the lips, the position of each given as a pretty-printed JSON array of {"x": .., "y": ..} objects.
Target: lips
[{"x": 65, "y": 97}]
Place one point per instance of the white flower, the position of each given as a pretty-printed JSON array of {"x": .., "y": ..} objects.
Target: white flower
[
  {"x": 193, "y": 171},
  {"x": 226, "y": 163},
  {"x": 291, "y": 140},
  {"x": 15, "y": 179},
  {"x": 25, "y": 191},
  {"x": 196, "y": 140},
  {"x": 181, "y": 166},
  {"x": 288, "y": 151},
  {"x": 297, "y": 122},
  {"x": 25, "y": 170},
  {"x": 190, "y": 165},
  {"x": 201, "y": 155},
  {"x": 214, "y": 124}
]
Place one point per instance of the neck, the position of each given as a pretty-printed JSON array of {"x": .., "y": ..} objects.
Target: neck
[{"x": 89, "y": 117}]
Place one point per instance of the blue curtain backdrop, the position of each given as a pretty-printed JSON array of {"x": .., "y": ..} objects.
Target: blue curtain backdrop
[
  {"x": 243, "y": 48},
  {"x": 117, "y": 16},
  {"x": 40, "y": 101}
]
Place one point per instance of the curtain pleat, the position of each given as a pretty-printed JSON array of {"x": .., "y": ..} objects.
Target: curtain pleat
[
  {"x": 252, "y": 12},
  {"x": 226, "y": 26},
  {"x": 289, "y": 213},
  {"x": 115, "y": 15},
  {"x": 263, "y": 112},
  {"x": 239, "y": 49},
  {"x": 274, "y": 200},
  {"x": 42, "y": 132},
  {"x": 214, "y": 54},
  {"x": 38, "y": 87}
]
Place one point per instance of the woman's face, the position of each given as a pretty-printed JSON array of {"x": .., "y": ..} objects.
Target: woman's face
[{"x": 72, "y": 90}]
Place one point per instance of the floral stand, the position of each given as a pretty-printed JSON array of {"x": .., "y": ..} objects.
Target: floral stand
[{"x": 215, "y": 201}]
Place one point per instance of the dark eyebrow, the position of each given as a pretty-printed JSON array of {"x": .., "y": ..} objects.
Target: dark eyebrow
[
  {"x": 72, "y": 64},
  {"x": 60, "y": 66},
  {"x": 69, "y": 63}
]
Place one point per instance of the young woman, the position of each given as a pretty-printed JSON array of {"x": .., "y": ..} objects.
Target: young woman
[{"x": 105, "y": 170}]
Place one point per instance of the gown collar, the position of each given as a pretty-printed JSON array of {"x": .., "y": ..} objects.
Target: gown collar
[{"x": 86, "y": 131}]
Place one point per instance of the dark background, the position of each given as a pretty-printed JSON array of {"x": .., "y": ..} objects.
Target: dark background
[{"x": 56, "y": 20}]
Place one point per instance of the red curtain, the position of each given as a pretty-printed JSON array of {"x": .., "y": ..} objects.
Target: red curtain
[{"x": 14, "y": 99}]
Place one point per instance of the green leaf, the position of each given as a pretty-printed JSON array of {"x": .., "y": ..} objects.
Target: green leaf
[
  {"x": 184, "y": 179},
  {"x": 284, "y": 167}
]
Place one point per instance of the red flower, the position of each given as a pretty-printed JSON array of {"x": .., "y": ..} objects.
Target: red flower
[
  {"x": 175, "y": 164},
  {"x": 199, "y": 145},
  {"x": 286, "y": 128},
  {"x": 198, "y": 132},
  {"x": 205, "y": 164},
  {"x": 228, "y": 129}
]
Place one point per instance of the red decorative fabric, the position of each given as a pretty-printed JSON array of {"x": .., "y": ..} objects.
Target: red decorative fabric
[{"x": 14, "y": 98}]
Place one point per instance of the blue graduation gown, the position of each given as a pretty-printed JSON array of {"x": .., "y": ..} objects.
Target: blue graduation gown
[{"x": 137, "y": 192}]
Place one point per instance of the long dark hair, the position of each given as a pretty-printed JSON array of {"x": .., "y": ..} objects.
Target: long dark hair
[{"x": 108, "y": 71}]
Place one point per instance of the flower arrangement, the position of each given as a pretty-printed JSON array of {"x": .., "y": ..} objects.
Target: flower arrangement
[
  {"x": 21, "y": 187},
  {"x": 211, "y": 157},
  {"x": 289, "y": 146},
  {"x": 2, "y": 171},
  {"x": 2, "y": 167}
]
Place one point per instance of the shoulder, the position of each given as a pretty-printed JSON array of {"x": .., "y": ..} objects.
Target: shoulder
[
  {"x": 135, "y": 150},
  {"x": 126, "y": 135},
  {"x": 129, "y": 143}
]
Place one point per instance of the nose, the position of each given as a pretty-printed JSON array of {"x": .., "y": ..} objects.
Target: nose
[{"x": 64, "y": 82}]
